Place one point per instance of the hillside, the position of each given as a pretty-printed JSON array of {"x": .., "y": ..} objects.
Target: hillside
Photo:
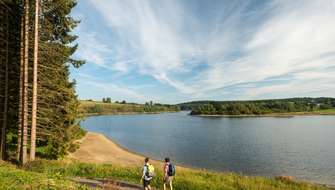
[
  {"x": 99, "y": 108},
  {"x": 262, "y": 107}
]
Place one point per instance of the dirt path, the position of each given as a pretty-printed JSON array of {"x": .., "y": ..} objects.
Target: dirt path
[{"x": 107, "y": 184}]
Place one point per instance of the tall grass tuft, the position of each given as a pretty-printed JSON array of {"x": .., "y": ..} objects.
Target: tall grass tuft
[{"x": 186, "y": 179}]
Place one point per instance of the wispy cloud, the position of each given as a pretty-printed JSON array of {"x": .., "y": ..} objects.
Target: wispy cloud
[
  {"x": 200, "y": 48},
  {"x": 92, "y": 50},
  {"x": 109, "y": 89}
]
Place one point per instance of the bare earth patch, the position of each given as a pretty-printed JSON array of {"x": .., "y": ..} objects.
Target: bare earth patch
[{"x": 97, "y": 148}]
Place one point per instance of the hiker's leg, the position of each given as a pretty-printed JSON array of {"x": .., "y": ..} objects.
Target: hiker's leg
[
  {"x": 145, "y": 185},
  {"x": 164, "y": 186},
  {"x": 171, "y": 188},
  {"x": 149, "y": 188}
]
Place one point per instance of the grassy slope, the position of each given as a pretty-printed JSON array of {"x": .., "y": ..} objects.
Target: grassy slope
[
  {"x": 91, "y": 107},
  {"x": 318, "y": 112},
  {"x": 12, "y": 178},
  {"x": 99, "y": 108},
  {"x": 185, "y": 180},
  {"x": 327, "y": 111}
]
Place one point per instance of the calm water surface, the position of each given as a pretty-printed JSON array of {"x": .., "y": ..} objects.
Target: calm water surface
[{"x": 301, "y": 146}]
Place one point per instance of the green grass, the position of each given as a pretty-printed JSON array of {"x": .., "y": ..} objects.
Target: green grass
[
  {"x": 96, "y": 108},
  {"x": 327, "y": 111},
  {"x": 47, "y": 174},
  {"x": 186, "y": 179},
  {"x": 13, "y": 178},
  {"x": 87, "y": 108}
]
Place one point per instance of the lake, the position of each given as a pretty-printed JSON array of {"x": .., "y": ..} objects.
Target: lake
[{"x": 300, "y": 146}]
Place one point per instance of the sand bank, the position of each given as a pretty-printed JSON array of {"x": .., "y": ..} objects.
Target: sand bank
[{"x": 97, "y": 148}]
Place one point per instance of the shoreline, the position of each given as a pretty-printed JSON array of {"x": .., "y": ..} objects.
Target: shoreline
[
  {"x": 99, "y": 149},
  {"x": 293, "y": 114},
  {"x": 284, "y": 115},
  {"x": 124, "y": 113}
]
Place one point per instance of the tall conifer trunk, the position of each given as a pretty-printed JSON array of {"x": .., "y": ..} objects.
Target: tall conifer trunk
[
  {"x": 24, "y": 130},
  {"x": 5, "y": 109},
  {"x": 19, "y": 127},
  {"x": 34, "y": 106}
]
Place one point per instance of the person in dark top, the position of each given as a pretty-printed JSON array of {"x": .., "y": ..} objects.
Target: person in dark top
[{"x": 169, "y": 172}]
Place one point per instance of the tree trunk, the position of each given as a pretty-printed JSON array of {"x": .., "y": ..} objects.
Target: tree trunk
[
  {"x": 18, "y": 150},
  {"x": 34, "y": 106},
  {"x": 5, "y": 110},
  {"x": 24, "y": 130}
]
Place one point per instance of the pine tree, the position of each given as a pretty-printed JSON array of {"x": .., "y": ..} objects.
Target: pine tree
[
  {"x": 19, "y": 125},
  {"x": 24, "y": 111},
  {"x": 56, "y": 126},
  {"x": 57, "y": 104},
  {"x": 34, "y": 103},
  {"x": 5, "y": 104}
]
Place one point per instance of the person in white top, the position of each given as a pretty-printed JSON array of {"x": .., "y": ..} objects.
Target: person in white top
[{"x": 145, "y": 177}]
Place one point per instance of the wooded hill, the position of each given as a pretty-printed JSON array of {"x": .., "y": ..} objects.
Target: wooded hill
[
  {"x": 87, "y": 107},
  {"x": 258, "y": 107},
  {"x": 38, "y": 104}
]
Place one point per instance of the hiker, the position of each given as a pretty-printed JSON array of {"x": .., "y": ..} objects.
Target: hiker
[
  {"x": 148, "y": 174},
  {"x": 169, "y": 172}
]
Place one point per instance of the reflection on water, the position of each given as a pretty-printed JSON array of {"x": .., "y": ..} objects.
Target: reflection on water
[{"x": 301, "y": 146}]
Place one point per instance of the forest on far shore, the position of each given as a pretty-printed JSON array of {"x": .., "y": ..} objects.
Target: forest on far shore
[{"x": 261, "y": 107}]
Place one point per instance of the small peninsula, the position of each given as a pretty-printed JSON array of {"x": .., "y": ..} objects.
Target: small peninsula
[{"x": 270, "y": 107}]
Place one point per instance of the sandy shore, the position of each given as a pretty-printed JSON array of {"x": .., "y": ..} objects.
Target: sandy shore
[{"x": 97, "y": 148}]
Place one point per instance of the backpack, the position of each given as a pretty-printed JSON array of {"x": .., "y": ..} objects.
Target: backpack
[
  {"x": 150, "y": 170},
  {"x": 172, "y": 170}
]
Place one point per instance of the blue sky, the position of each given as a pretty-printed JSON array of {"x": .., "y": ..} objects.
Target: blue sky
[{"x": 172, "y": 51}]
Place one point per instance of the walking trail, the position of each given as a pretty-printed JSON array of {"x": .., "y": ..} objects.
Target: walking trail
[{"x": 107, "y": 184}]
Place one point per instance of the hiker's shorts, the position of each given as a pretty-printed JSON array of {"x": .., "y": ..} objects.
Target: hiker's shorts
[{"x": 146, "y": 183}]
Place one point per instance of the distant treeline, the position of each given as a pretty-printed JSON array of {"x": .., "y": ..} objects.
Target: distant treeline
[
  {"x": 258, "y": 107},
  {"x": 100, "y": 108}
]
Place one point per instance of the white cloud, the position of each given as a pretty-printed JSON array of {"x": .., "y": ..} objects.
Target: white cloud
[
  {"x": 160, "y": 40},
  {"x": 91, "y": 49},
  {"x": 117, "y": 92}
]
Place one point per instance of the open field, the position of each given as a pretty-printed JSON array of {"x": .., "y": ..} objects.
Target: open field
[
  {"x": 87, "y": 108},
  {"x": 327, "y": 111}
]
